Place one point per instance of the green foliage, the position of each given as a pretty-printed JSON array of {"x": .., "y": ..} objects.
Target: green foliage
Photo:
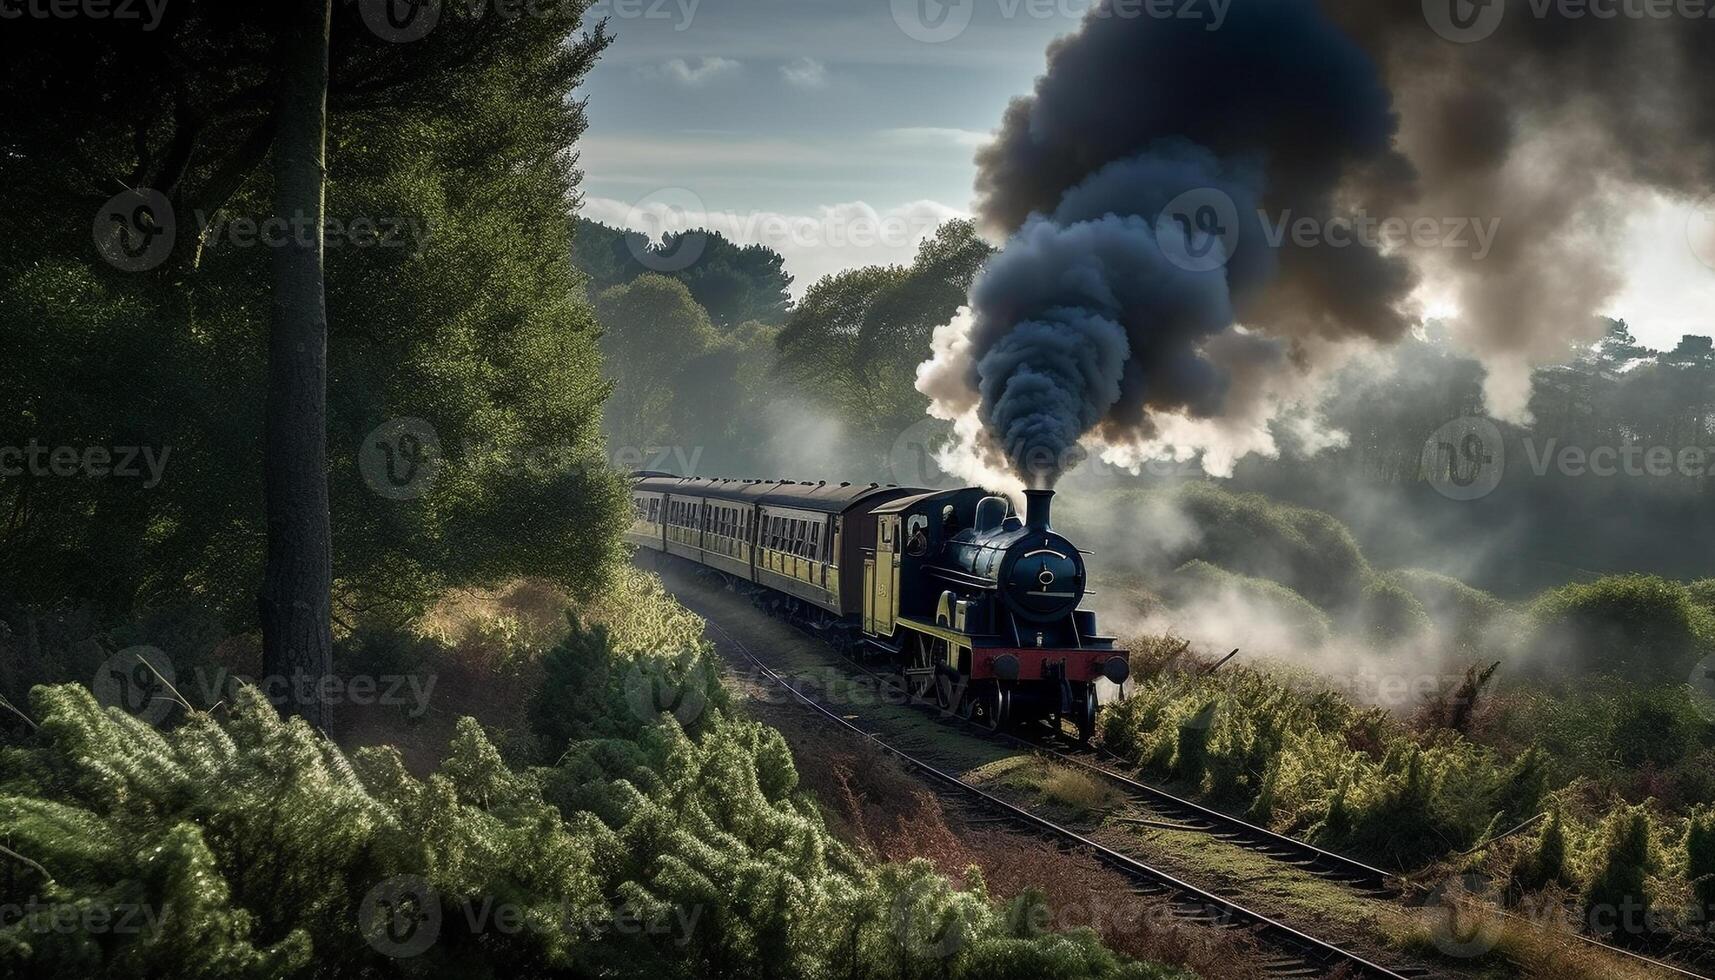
[
  {"x": 1307, "y": 551},
  {"x": 679, "y": 382},
  {"x": 1637, "y": 626},
  {"x": 735, "y": 284},
  {"x": 1700, "y": 858},
  {"x": 1464, "y": 615},
  {"x": 1199, "y": 581},
  {"x": 255, "y": 848},
  {"x": 853, "y": 342},
  {"x": 1388, "y": 612},
  {"x": 1625, "y": 857},
  {"x": 1353, "y": 778},
  {"x": 652, "y": 330},
  {"x": 1546, "y": 863},
  {"x": 470, "y": 319}
]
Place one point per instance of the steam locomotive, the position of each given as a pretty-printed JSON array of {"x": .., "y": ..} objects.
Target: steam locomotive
[{"x": 972, "y": 603}]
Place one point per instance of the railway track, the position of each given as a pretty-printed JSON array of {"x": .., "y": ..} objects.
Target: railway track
[
  {"x": 1178, "y": 813},
  {"x": 1191, "y": 816},
  {"x": 1303, "y": 955}
]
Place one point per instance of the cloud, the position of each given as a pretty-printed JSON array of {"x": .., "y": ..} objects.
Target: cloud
[
  {"x": 829, "y": 239},
  {"x": 692, "y": 76},
  {"x": 935, "y": 135},
  {"x": 805, "y": 73}
]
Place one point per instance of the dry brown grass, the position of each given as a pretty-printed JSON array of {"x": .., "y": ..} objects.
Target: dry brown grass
[
  {"x": 875, "y": 805},
  {"x": 1078, "y": 791}
]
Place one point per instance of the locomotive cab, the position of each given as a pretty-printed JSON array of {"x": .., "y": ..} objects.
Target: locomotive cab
[{"x": 984, "y": 608}]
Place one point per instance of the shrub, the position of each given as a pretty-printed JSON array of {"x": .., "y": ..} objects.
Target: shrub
[
  {"x": 1463, "y": 615},
  {"x": 1638, "y": 626},
  {"x": 1388, "y": 612},
  {"x": 1624, "y": 858},
  {"x": 1305, "y": 550},
  {"x": 1700, "y": 858},
  {"x": 263, "y": 851},
  {"x": 1272, "y": 607},
  {"x": 1312, "y": 762},
  {"x": 1545, "y": 864}
]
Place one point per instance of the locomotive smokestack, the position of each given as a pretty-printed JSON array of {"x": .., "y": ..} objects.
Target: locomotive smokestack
[{"x": 1036, "y": 508}]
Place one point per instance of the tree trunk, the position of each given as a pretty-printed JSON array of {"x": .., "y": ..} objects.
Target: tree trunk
[{"x": 297, "y": 640}]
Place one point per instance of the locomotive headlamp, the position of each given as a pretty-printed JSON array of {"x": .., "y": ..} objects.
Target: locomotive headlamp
[{"x": 1116, "y": 669}]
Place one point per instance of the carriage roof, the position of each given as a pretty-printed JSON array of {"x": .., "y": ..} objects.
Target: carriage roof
[{"x": 827, "y": 497}]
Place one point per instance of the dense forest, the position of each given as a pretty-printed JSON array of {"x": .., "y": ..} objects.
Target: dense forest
[
  {"x": 305, "y": 475},
  {"x": 321, "y": 653}
]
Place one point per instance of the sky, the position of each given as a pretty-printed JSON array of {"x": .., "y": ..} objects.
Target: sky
[{"x": 841, "y": 132}]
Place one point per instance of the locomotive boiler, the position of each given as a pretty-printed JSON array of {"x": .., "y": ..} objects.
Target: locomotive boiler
[{"x": 974, "y": 604}]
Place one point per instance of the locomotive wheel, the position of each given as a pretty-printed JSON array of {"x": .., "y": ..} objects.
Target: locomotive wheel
[
  {"x": 989, "y": 705},
  {"x": 1084, "y": 712},
  {"x": 949, "y": 686},
  {"x": 919, "y": 671}
]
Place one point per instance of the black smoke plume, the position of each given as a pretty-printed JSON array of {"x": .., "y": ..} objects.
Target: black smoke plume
[
  {"x": 1098, "y": 315},
  {"x": 1548, "y": 122}
]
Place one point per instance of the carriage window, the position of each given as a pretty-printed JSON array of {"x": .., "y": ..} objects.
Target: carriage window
[{"x": 816, "y": 541}]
